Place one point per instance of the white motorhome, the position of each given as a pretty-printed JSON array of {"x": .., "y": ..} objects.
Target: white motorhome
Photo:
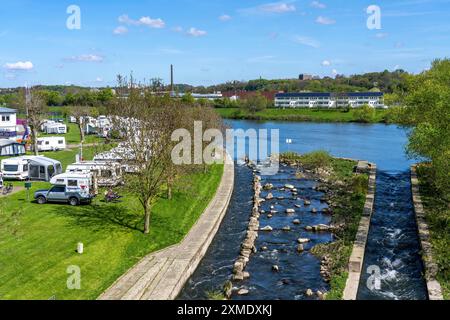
[
  {"x": 51, "y": 143},
  {"x": 74, "y": 182},
  {"x": 108, "y": 174}
]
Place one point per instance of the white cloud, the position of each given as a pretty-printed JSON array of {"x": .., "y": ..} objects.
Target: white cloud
[
  {"x": 194, "y": 32},
  {"x": 98, "y": 79},
  {"x": 325, "y": 20},
  {"x": 19, "y": 65},
  {"x": 274, "y": 7},
  {"x": 86, "y": 58},
  {"x": 326, "y": 63},
  {"x": 318, "y": 5},
  {"x": 225, "y": 17},
  {"x": 278, "y": 7},
  {"x": 334, "y": 72},
  {"x": 307, "y": 41},
  {"x": 120, "y": 30},
  {"x": 152, "y": 23},
  {"x": 143, "y": 21}
]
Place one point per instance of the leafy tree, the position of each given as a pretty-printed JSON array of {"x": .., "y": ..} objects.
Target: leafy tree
[
  {"x": 364, "y": 114},
  {"x": 255, "y": 103},
  {"x": 428, "y": 109}
]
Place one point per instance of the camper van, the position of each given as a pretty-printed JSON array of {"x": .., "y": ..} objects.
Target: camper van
[
  {"x": 31, "y": 168},
  {"x": 108, "y": 174},
  {"x": 51, "y": 143},
  {"x": 74, "y": 182}
]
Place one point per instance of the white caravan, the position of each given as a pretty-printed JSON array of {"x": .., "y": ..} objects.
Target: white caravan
[
  {"x": 51, "y": 143},
  {"x": 74, "y": 182},
  {"x": 108, "y": 174},
  {"x": 15, "y": 168}
]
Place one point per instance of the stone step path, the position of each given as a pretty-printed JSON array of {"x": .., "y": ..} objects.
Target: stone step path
[{"x": 162, "y": 275}]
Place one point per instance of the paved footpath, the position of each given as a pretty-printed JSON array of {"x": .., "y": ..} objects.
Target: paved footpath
[{"x": 162, "y": 275}]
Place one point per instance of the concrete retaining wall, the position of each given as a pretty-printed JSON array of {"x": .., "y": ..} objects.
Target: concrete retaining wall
[
  {"x": 357, "y": 258},
  {"x": 162, "y": 275},
  {"x": 433, "y": 286}
]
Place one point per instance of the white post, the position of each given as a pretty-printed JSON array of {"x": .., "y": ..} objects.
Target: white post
[{"x": 80, "y": 248}]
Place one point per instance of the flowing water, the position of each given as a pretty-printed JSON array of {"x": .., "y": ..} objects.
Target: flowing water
[{"x": 393, "y": 244}]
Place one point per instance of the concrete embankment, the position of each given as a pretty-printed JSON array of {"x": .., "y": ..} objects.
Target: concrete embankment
[
  {"x": 162, "y": 275},
  {"x": 357, "y": 257},
  {"x": 431, "y": 268}
]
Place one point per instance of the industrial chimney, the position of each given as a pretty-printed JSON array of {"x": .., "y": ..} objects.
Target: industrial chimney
[{"x": 171, "y": 79}]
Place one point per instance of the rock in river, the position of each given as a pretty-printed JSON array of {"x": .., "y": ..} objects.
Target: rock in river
[
  {"x": 290, "y": 211},
  {"x": 267, "y": 228},
  {"x": 303, "y": 240},
  {"x": 296, "y": 221},
  {"x": 243, "y": 292},
  {"x": 289, "y": 186}
]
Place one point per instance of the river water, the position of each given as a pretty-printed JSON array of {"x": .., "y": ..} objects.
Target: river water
[{"x": 393, "y": 245}]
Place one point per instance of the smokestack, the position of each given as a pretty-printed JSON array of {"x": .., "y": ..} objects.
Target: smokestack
[{"x": 171, "y": 78}]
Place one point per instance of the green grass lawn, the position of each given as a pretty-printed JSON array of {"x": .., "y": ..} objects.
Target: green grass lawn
[
  {"x": 38, "y": 242},
  {"x": 73, "y": 135},
  {"x": 297, "y": 115},
  {"x": 437, "y": 210}
]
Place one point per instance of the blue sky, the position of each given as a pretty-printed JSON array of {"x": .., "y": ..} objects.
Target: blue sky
[{"x": 216, "y": 40}]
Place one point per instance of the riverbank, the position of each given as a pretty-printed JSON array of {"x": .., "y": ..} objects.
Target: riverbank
[
  {"x": 302, "y": 115},
  {"x": 437, "y": 215},
  {"x": 162, "y": 275}
]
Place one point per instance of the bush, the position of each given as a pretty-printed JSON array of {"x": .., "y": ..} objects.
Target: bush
[
  {"x": 316, "y": 159},
  {"x": 364, "y": 114}
]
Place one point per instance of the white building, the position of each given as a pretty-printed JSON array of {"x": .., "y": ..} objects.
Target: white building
[
  {"x": 329, "y": 100},
  {"x": 8, "y": 123}
]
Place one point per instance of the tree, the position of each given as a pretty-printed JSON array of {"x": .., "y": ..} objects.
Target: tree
[
  {"x": 255, "y": 103},
  {"x": 428, "y": 110},
  {"x": 146, "y": 130},
  {"x": 364, "y": 114},
  {"x": 36, "y": 110}
]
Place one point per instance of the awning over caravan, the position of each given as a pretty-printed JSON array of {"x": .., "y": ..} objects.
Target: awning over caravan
[{"x": 11, "y": 148}]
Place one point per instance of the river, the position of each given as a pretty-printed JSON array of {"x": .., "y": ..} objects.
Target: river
[{"x": 393, "y": 244}]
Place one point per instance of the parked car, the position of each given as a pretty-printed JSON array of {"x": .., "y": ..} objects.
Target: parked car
[{"x": 62, "y": 195}]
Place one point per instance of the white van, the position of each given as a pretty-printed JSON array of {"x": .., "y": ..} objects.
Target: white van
[
  {"x": 108, "y": 174},
  {"x": 51, "y": 143},
  {"x": 15, "y": 168},
  {"x": 74, "y": 182}
]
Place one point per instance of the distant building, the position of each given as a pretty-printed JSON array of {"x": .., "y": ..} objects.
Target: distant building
[
  {"x": 329, "y": 100},
  {"x": 303, "y": 76},
  {"x": 242, "y": 95},
  {"x": 197, "y": 96},
  {"x": 8, "y": 123}
]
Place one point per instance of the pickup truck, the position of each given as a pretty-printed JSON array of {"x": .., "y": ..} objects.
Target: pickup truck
[{"x": 61, "y": 194}]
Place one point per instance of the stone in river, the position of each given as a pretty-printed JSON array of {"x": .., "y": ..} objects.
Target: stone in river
[
  {"x": 243, "y": 292},
  {"x": 286, "y": 228},
  {"x": 298, "y": 206},
  {"x": 303, "y": 240},
  {"x": 269, "y": 196},
  {"x": 296, "y": 221},
  {"x": 314, "y": 210},
  {"x": 300, "y": 248},
  {"x": 307, "y": 202},
  {"x": 275, "y": 268},
  {"x": 290, "y": 211},
  {"x": 289, "y": 186},
  {"x": 267, "y": 228},
  {"x": 309, "y": 293}
]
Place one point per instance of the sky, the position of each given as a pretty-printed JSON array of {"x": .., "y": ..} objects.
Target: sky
[{"x": 214, "y": 41}]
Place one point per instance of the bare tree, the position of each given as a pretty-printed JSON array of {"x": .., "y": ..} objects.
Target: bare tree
[{"x": 37, "y": 112}]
